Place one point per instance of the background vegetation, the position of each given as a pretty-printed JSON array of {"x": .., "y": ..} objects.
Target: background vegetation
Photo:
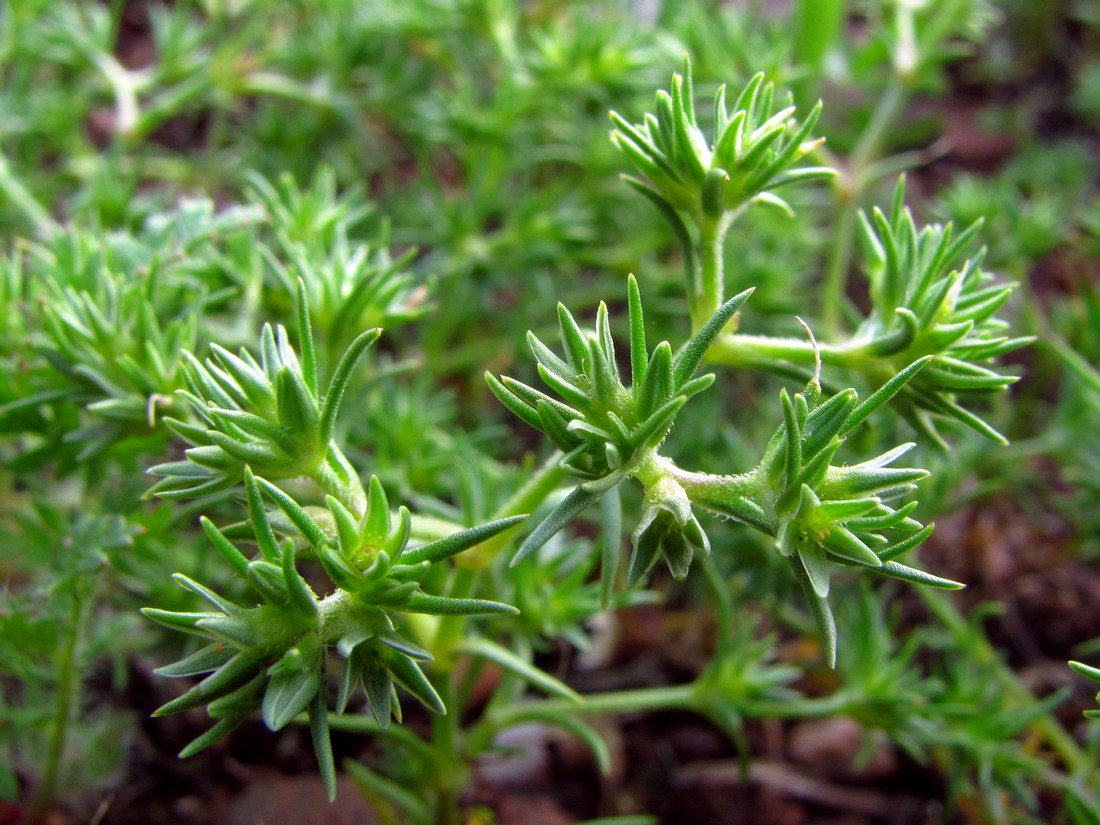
[{"x": 442, "y": 169}]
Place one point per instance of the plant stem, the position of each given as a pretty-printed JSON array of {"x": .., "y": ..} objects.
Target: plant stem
[
  {"x": 709, "y": 285},
  {"x": 710, "y": 288},
  {"x": 68, "y": 697},
  {"x": 801, "y": 708},
  {"x": 723, "y": 601},
  {"x": 742, "y": 496},
  {"x": 24, "y": 201},
  {"x": 850, "y": 190},
  {"x": 450, "y": 629},
  {"x": 450, "y": 772},
  {"x": 644, "y": 700},
  {"x": 691, "y": 696},
  {"x": 765, "y": 352}
]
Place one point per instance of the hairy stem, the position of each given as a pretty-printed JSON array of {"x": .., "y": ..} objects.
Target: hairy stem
[
  {"x": 675, "y": 697},
  {"x": 709, "y": 287},
  {"x": 743, "y": 497},
  {"x": 771, "y": 353}
]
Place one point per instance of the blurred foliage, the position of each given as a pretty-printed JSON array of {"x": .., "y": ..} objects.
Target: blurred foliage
[{"x": 171, "y": 172}]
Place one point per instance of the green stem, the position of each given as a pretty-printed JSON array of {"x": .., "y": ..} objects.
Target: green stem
[
  {"x": 801, "y": 708},
  {"x": 25, "y": 202},
  {"x": 711, "y": 276},
  {"x": 834, "y": 298},
  {"x": 451, "y": 628},
  {"x": 645, "y": 700},
  {"x": 850, "y": 191},
  {"x": 450, "y": 773},
  {"x": 723, "y": 600},
  {"x": 744, "y": 497},
  {"x": 68, "y": 698},
  {"x": 886, "y": 111},
  {"x": 768, "y": 353},
  {"x": 710, "y": 283},
  {"x": 690, "y": 696}
]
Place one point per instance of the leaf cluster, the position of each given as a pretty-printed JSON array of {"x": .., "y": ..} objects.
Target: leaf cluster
[
  {"x": 267, "y": 414},
  {"x": 840, "y": 515},
  {"x": 272, "y": 655},
  {"x": 754, "y": 150},
  {"x": 604, "y": 428},
  {"x": 928, "y": 299}
]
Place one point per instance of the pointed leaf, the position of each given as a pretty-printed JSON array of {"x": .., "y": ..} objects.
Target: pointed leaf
[
  {"x": 611, "y": 509},
  {"x": 233, "y": 557},
  {"x": 911, "y": 574},
  {"x": 412, "y": 678},
  {"x": 305, "y": 333},
  {"x": 204, "y": 740},
  {"x": 639, "y": 355},
  {"x": 444, "y": 606},
  {"x": 509, "y": 399},
  {"x": 458, "y": 542},
  {"x": 399, "y": 643},
  {"x": 261, "y": 524},
  {"x": 819, "y": 608},
  {"x": 322, "y": 743},
  {"x": 658, "y": 384},
  {"x": 287, "y": 695},
  {"x": 298, "y": 517},
  {"x": 693, "y": 352},
  {"x": 340, "y": 379},
  {"x": 509, "y": 661},
  {"x": 569, "y": 508},
  {"x": 267, "y": 580},
  {"x": 300, "y": 595},
  {"x": 205, "y": 660}
]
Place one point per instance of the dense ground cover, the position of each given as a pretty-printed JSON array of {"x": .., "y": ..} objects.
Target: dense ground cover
[{"x": 209, "y": 207}]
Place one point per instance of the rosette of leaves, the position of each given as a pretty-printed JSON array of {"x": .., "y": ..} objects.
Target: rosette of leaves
[
  {"x": 754, "y": 150},
  {"x": 119, "y": 353},
  {"x": 272, "y": 655},
  {"x": 825, "y": 515},
  {"x": 607, "y": 431},
  {"x": 350, "y": 284},
  {"x": 929, "y": 299},
  {"x": 268, "y": 414}
]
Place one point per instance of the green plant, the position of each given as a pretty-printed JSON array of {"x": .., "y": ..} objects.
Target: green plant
[{"x": 750, "y": 454}]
